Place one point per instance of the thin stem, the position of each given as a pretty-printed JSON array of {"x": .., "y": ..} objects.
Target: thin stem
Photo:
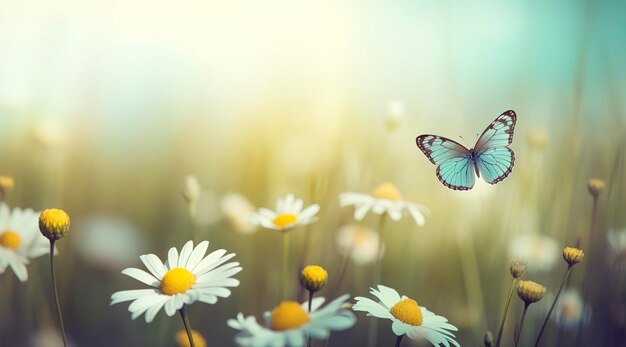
[
  {"x": 308, "y": 338},
  {"x": 283, "y": 274},
  {"x": 506, "y": 310},
  {"x": 399, "y": 340},
  {"x": 518, "y": 333},
  {"x": 56, "y": 296},
  {"x": 185, "y": 319},
  {"x": 556, "y": 298},
  {"x": 342, "y": 272},
  {"x": 373, "y": 328}
]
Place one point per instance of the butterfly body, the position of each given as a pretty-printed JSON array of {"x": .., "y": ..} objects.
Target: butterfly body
[{"x": 490, "y": 157}]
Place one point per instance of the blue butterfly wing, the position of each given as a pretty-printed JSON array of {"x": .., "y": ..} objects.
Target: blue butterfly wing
[
  {"x": 495, "y": 164},
  {"x": 454, "y": 168},
  {"x": 495, "y": 159}
]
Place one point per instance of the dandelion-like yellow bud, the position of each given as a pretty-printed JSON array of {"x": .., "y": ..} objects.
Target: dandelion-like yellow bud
[
  {"x": 572, "y": 255},
  {"x": 54, "y": 223},
  {"x": 530, "y": 291},
  {"x": 182, "y": 340},
  {"x": 313, "y": 278},
  {"x": 517, "y": 268},
  {"x": 6, "y": 183},
  {"x": 488, "y": 340},
  {"x": 595, "y": 186}
]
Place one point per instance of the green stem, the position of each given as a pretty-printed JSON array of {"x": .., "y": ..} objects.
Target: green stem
[
  {"x": 373, "y": 328},
  {"x": 283, "y": 275},
  {"x": 183, "y": 315},
  {"x": 506, "y": 310},
  {"x": 399, "y": 340},
  {"x": 518, "y": 333},
  {"x": 56, "y": 295},
  {"x": 545, "y": 322}
]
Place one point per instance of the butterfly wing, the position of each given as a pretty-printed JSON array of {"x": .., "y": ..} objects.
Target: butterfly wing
[
  {"x": 454, "y": 168},
  {"x": 495, "y": 159}
]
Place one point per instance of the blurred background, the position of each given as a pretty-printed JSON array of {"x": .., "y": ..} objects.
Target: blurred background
[{"x": 106, "y": 107}]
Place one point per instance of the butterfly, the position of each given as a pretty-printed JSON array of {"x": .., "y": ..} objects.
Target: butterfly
[{"x": 491, "y": 157}]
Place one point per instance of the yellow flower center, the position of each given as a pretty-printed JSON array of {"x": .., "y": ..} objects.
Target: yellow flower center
[
  {"x": 288, "y": 315},
  {"x": 386, "y": 191},
  {"x": 10, "y": 239},
  {"x": 407, "y": 311},
  {"x": 285, "y": 219},
  {"x": 176, "y": 281}
]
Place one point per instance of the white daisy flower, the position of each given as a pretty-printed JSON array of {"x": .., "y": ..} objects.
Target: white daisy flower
[
  {"x": 540, "y": 252},
  {"x": 408, "y": 318},
  {"x": 385, "y": 199},
  {"x": 617, "y": 248},
  {"x": 20, "y": 240},
  {"x": 183, "y": 279},
  {"x": 358, "y": 242},
  {"x": 288, "y": 215},
  {"x": 237, "y": 210},
  {"x": 570, "y": 310},
  {"x": 289, "y": 323}
]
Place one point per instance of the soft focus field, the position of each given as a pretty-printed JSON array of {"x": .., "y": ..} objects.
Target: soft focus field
[{"x": 106, "y": 107}]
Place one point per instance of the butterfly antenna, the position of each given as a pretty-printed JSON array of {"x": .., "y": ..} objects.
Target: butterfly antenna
[{"x": 462, "y": 139}]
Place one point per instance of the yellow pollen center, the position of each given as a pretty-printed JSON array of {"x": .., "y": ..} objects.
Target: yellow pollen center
[
  {"x": 10, "y": 239},
  {"x": 407, "y": 311},
  {"x": 288, "y": 315},
  {"x": 285, "y": 219},
  {"x": 176, "y": 281},
  {"x": 386, "y": 191}
]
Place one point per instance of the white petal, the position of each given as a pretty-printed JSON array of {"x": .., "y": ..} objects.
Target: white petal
[
  {"x": 185, "y": 253},
  {"x": 128, "y": 295},
  {"x": 154, "y": 265},
  {"x": 388, "y": 296},
  {"x": 141, "y": 276},
  {"x": 152, "y": 311},
  {"x": 172, "y": 258},
  {"x": 197, "y": 255}
]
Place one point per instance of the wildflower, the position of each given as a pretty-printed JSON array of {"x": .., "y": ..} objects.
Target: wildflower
[
  {"x": 108, "y": 242},
  {"x": 617, "y": 248},
  {"x": 595, "y": 187},
  {"x": 237, "y": 210},
  {"x": 289, "y": 323},
  {"x": 182, "y": 339},
  {"x": 407, "y": 316},
  {"x": 541, "y": 252},
  {"x": 570, "y": 310},
  {"x": 185, "y": 278},
  {"x": 288, "y": 215},
  {"x": 395, "y": 114},
  {"x": 20, "y": 240},
  {"x": 572, "y": 255},
  {"x": 359, "y": 243},
  {"x": 385, "y": 199},
  {"x": 191, "y": 190},
  {"x": 517, "y": 268},
  {"x": 6, "y": 184},
  {"x": 530, "y": 292},
  {"x": 313, "y": 278},
  {"x": 54, "y": 223}
]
